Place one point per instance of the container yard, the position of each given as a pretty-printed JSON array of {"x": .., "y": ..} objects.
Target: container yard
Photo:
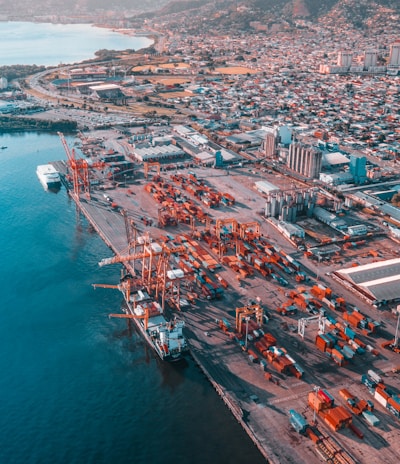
[{"x": 303, "y": 363}]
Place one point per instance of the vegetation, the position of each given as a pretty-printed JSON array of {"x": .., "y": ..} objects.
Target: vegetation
[
  {"x": 19, "y": 71},
  {"x": 18, "y": 124}
]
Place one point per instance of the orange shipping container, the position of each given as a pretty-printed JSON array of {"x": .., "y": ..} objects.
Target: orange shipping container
[
  {"x": 394, "y": 404},
  {"x": 331, "y": 423}
]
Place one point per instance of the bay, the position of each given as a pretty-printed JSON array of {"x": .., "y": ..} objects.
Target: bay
[
  {"x": 50, "y": 44},
  {"x": 77, "y": 387}
]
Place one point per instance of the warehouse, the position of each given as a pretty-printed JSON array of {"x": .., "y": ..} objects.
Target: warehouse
[
  {"x": 378, "y": 282},
  {"x": 266, "y": 187}
]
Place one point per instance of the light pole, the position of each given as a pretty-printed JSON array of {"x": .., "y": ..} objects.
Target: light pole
[
  {"x": 247, "y": 330},
  {"x": 396, "y": 335}
]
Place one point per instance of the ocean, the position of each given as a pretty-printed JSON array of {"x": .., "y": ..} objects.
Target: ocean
[
  {"x": 51, "y": 44},
  {"x": 76, "y": 386}
]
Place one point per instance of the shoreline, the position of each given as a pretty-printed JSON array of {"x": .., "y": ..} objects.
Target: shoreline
[{"x": 152, "y": 36}]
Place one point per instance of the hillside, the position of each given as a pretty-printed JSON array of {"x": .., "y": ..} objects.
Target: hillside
[{"x": 358, "y": 14}]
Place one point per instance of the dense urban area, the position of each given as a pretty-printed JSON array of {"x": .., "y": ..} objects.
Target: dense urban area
[{"x": 245, "y": 172}]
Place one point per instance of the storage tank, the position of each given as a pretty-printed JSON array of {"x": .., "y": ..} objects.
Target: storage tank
[
  {"x": 274, "y": 207},
  {"x": 268, "y": 209},
  {"x": 284, "y": 214},
  {"x": 293, "y": 214}
]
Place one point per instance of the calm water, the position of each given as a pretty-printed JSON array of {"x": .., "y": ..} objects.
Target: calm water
[
  {"x": 51, "y": 44},
  {"x": 75, "y": 387}
]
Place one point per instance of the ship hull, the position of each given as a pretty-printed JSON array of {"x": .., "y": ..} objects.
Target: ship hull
[
  {"x": 164, "y": 337},
  {"x": 161, "y": 355},
  {"x": 48, "y": 177}
]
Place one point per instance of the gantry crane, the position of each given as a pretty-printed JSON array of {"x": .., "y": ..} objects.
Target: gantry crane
[
  {"x": 249, "y": 226},
  {"x": 247, "y": 311},
  {"x": 80, "y": 170},
  {"x": 154, "y": 259},
  {"x": 149, "y": 164},
  {"x": 125, "y": 288},
  {"x": 303, "y": 322},
  {"x": 168, "y": 281}
]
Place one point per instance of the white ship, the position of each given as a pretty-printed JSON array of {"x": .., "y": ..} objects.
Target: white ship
[
  {"x": 49, "y": 177},
  {"x": 166, "y": 337}
]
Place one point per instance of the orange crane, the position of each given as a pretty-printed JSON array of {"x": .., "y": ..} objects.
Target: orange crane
[
  {"x": 144, "y": 316},
  {"x": 154, "y": 265},
  {"x": 246, "y": 227},
  {"x": 247, "y": 311},
  {"x": 149, "y": 164},
  {"x": 125, "y": 288},
  {"x": 80, "y": 170}
]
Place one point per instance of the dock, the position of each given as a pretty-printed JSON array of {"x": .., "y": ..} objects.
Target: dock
[{"x": 258, "y": 396}]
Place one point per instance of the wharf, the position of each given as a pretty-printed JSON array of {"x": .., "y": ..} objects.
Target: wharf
[
  {"x": 109, "y": 224},
  {"x": 261, "y": 406}
]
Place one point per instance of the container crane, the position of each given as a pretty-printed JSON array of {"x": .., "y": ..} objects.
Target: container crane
[
  {"x": 125, "y": 288},
  {"x": 149, "y": 164},
  {"x": 247, "y": 311},
  {"x": 303, "y": 322},
  {"x": 144, "y": 316},
  {"x": 154, "y": 259},
  {"x": 249, "y": 227},
  {"x": 80, "y": 170}
]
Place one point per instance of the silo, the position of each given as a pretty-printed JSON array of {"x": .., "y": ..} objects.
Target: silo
[
  {"x": 274, "y": 206},
  {"x": 293, "y": 215},
  {"x": 284, "y": 214},
  {"x": 310, "y": 209},
  {"x": 268, "y": 208}
]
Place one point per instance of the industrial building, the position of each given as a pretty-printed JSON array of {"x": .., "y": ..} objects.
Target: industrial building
[
  {"x": 108, "y": 92},
  {"x": 378, "y": 282},
  {"x": 305, "y": 160},
  {"x": 266, "y": 187},
  {"x": 149, "y": 152},
  {"x": 288, "y": 205}
]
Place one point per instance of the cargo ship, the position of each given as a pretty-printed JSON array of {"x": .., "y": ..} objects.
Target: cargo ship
[
  {"x": 49, "y": 177},
  {"x": 165, "y": 337}
]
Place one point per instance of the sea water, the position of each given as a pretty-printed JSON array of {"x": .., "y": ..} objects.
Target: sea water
[{"x": 76, "y": 386}]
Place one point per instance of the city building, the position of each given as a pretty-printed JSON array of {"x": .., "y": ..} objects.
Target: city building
[
  {"x": 345, "y": 59},
  {"x": 270, "y": 144},
  {"x": 394, "y": 56},
  {"x": 370, "y": 58},
  {"x": 358, "y": 169},
  {"x": 3, "y": 83}
]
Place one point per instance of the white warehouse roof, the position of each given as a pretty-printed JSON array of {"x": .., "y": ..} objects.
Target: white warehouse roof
[
  {"x": 266, "y": 187},
  {"x": 380, "y": 280}
]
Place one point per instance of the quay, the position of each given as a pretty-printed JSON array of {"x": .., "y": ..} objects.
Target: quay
[{"x": 258, "y": 396}]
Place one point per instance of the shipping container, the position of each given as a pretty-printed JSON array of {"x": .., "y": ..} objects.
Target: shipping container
[
  {"x": 371, "y": 418},
  {"x": 368, "y": 382},
  {"x": 356, "y": 430},
  {"x": 381, "y": 399},
  {"x": 374, "y": 376},
  {"x": 345, "y": 394},
  {"x": 297, "y": 421},
  {"x": 326, "y": 397},
  {"x": 394, "y": 402}
]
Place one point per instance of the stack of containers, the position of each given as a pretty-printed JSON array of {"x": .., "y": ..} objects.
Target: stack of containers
[
  {"x": 381, "y": 395},
  {"x": 338, "y": 356},
  {"x": 393, "y": 405},
  {"x": 338, "y": 418},
  {"x": 323, "y": 342}
]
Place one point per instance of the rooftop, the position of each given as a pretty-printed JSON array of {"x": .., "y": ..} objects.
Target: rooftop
[{"x": 381, "y": 280}]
